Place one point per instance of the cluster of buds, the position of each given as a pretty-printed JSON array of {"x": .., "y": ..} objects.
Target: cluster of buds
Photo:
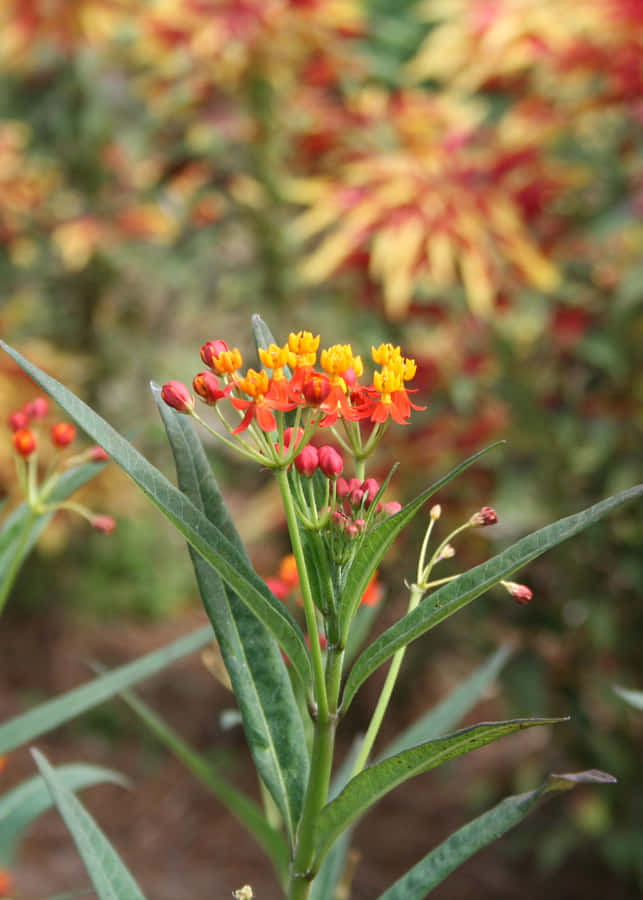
[
  {"x": 289, "y": 383},
  {"x": 445, "y": 550},
  {"x": 26, "y": 424}
]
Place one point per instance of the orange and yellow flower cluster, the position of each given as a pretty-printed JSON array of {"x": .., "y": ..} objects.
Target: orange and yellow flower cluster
[{"x": 290, "y": 383}]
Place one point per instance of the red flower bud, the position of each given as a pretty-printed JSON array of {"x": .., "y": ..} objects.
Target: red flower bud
[
  {"x": 6, "y": 883},
  {"x": 206, "y": 385},
  {"x": 97, "y": 454},
  {"x": 18, "y": 420},
  {"x": 370, "y": 488},
  {"x": 176, "y": 395},
  {"x": 104, "y": 523},
  {"x": 211, "y": 350},
  {"x": 279, "y": 588},
  {"x": 289, "y": 434},
  {"x": 62, "y": 434},
  {"x": 330, "y": 462},
  {"x": 315, "y": 389},
  {"x": 520, "y": 592},
  {"x": 24, "y": 442},
  {"x": 307, "y": 461},
  {"x": 36, "y": 409},
  {"x": 486, "y": 516}
]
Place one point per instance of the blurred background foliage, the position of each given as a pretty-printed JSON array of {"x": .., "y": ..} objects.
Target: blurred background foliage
[{"x": 462, "y": 177}]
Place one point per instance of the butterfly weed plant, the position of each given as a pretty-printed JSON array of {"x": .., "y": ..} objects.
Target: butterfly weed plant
[{"x": 313, "y": 419}]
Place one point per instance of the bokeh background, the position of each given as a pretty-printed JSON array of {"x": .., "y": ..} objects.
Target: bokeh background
[{"x": 462, "y": 177}]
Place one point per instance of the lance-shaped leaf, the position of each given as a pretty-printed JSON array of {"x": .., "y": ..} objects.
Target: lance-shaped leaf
[
  {"x": 452, "y": 597},
  {"x": 448, "y": 712},
  {"x": 24, "y": 803},
  {"x": 258, "y": 674},
  {"x": 47, "y": 716},
  {"x": 263, "y": 338},
  {"x": 419, "y": 881},
  {"x": 378, "y": 540},
  {"x": 206, "y": 538},
  {"x": 373, "y": 783},
  {"x": 634, "y": 698},
  {"x": 109, "y": 875}
]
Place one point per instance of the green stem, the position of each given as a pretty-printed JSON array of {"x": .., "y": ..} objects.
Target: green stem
[
  {"x": 319, "y": 685},
  {"x": 321, "y": 763},
  {"x": 385, "y": 695}
]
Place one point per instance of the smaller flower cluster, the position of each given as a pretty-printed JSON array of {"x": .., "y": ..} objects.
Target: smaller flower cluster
[
  {"x": 290, "y": 383},
  {"x": 25, "y": 424}
]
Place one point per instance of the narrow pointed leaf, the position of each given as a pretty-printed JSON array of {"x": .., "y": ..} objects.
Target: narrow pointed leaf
[
  {"x": 257, "y": 671},
  {"x": 419, "y": 881},
  {"x": 452, "y": 597},
  {"x": 24, "y": 803},
  {"x": 110, "y": 877},
  {"x": 245, "y": 810},
  {"x": 378, "y": 540},
  {"x": 206, "y": 538},
  {"x": 446, "y": 714},
  {"x": 375, "y": 782},
  {"x": 49, "y": 715},
  {"x": 263, "y": 337}
]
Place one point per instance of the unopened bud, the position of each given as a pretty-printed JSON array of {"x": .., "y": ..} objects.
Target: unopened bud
[
  {"x": 37, "y": 409},
  {"x": 176, "y": 395},
  {"x": 211, "y": 350},
  {"x": 307, "y": 461},
  {"x": 244, "y": 893},
  {"x": 520, "y": 592},
  {"x": 103, "y": 523},
  {"x": 24, "y": 442},
  {"x": 62, "y": 434},
  {"x": 391, "y": 508},
  {"x": 97, "y": 454},
  {"x": 371, "y": 488},
  {"x": 436, "y": 512},
  {"x": 18, "y": 420},
  {"x": 206, "y": 385},
  {"x": 330, "y": 462},
  {"x": 446, "y": 553},
  {"x": 315, "y": 389},
  {"x": 289, "y": 436},
  {"x": 486, "y": 516}
]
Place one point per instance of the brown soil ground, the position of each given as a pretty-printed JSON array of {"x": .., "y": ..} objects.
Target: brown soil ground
[{"x": 177, "y": 839}]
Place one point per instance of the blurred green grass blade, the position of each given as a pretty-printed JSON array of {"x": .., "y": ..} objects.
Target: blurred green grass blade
[
  {"x": 259, "y": 677},
  {"x": 106, "y": 869},
  {"x": 448, "y": 712},
  {"x": 377, "y": 541},
  {"x": 376, "y": 781},
  {"x": 452, "y": 597},
  {"x": 206, "y": 538},
  {"x": 247, "y": 812},
  {"x": 634, "y": 698},
  {"x": 419, "y": 881},
  {"x": 47, "y": 716},
  {"x": 24, "y": 803}
]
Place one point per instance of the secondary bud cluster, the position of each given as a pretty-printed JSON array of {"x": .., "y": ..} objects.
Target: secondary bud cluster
[{"x": 26, "y": 424}]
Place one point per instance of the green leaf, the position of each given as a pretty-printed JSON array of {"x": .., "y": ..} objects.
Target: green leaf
[
  {"x": 634, "y": 698},
  {"x": 373, "y": 783},
  {"x": 206, "y": 538},
  {"x": 419, "y": 881},
  {"x": 24, "y": 803},
  {"x": 454, "y": 596},
  {"x": 263, "y": 338},
  {"x": 258, "y": 674},
  {"x": 452, "y": 709},
  {"x": 377, "y": 541},
  {"x": 247, "y": 812},
  {"x": 106, "y": 869},
  {"x": 47, "y": 716}
]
